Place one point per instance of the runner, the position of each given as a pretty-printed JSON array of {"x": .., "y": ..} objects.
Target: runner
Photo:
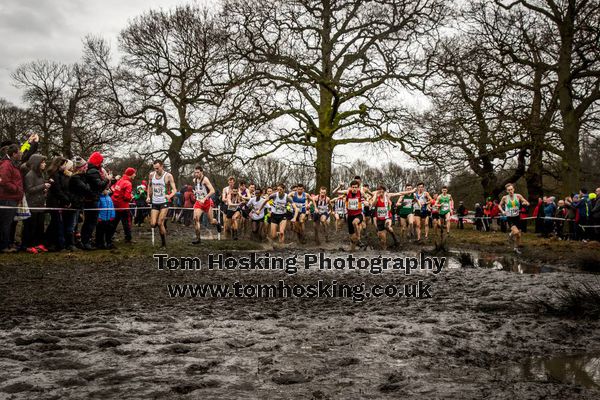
[
  {"x": 203, "y": 191},
  {"x": 339, "y": 211},
  {"x": 446, "y": 205},
  {"x": 158, "y": 183},
  {"x": 405, "y": 211},
  {"x": 382, "y": 205},
  {"x": 232, "y": 216},
  {"x": 368, "y": 211},
  {"x": 420, "y": 213},
  {"x": 354, "y": 207},
  {"x": 510, "y": 206},
  {"x": 279, "y": 212},
  {"x": 322, "y": 205},
  {"x": 256, "y": 213},
  {"x": 435, "y": 213},
  {"x": 301, "y": 201},
  {"x": 225, "y": 192}
]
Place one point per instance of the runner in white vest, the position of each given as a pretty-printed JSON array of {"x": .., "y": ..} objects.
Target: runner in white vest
[{"x": 158, "y": 182}]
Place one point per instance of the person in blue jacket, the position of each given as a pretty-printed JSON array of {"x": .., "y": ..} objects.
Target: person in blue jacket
[{"x": 106, "y": 219}]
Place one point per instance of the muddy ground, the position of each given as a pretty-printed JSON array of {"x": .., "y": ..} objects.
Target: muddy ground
[{"x": 101, "y": 325}]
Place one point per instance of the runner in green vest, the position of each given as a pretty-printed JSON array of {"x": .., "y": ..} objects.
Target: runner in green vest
[{"x": 511, "y": 206}]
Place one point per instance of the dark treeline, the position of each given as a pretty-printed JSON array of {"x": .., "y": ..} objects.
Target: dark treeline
[{"x": 512, "y": 91}]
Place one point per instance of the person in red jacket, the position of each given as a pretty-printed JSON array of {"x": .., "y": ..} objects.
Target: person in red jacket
[
  {"x": 11, "y": 192},
  {"x": 121, "y": 197}
]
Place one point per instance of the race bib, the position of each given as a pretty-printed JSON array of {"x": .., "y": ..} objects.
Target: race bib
[
  {"x": 157, "y": 191},
  {"x": 512, "y": 212},
  {"x": 280, "y": 209},
  {"x": 352, "y": 204},
  {"x": 382, "y": 212},
  {"x": 445, "y": 207},
  {"x": 233, "y": 207}
]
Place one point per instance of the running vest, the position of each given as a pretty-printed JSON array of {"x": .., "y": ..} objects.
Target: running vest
[
  {"x": 354, "y": 203},
  {"x": 420, "y": 202},
  {"x": 300, "y": 201},
  {"x": 255, "y": 205},
  {"x": 279, "y": 204},
  {"x": 322, "y": 205},
  {"x": 159, "y": 189},
  {"x": 435, "y": 209},
  {"x": 200, "y": 190},
  {"x": 234, "y": 204},
  {"x": 407, "y": 204},
  {"x": 382, "y": 207},
  {"x": 340, "y": 207},
  {"x": 444, "y": 204},
  {"x": 512, "y": 206}
]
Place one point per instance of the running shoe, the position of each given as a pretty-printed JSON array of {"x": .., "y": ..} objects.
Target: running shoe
[
  {"x": 197, "y": 241},
  {"x": 517, "y": 250},
  {"x": 32, "y": 250},
  {"x": 41, "y": 248}
]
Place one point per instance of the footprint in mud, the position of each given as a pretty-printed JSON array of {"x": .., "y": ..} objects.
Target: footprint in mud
[
  {"x": 194, "y": 339},
  {"x": 19, "y": 387},
  {"x": 186, "y": 388},
  {"x": 201, "y": 368},
  {"x": 394, "y": 382},
  {"x": 38, "y": 338},
  {"x": 72, "y": 382},
  {"x": 108, "y": 343},
  {"x": 176, "y": 349},
  {"x": 240, "y": 344},
  {"x": 62, "y": 363},
  {"x": 291, "y": 378},
  {"x": 347, "y": 361}
]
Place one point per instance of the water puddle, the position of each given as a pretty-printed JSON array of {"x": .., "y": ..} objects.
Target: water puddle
[{"x": 582, "y": 370}]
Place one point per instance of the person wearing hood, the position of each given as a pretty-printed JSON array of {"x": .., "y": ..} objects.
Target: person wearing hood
[
  {"x": 11, "y": 192},
  {"x": 121, "y": 197},
  {"x": 36, "y": 187},
  {"x": 97, "y": 179}
]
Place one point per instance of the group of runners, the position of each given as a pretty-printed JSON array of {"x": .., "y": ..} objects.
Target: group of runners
[{"x": 268, "y": 211}]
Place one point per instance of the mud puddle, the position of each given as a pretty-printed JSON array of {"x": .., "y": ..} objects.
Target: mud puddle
[{"x": 575, "y": 369}]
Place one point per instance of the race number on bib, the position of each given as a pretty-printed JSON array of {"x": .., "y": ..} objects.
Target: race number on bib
[
  {"x": 352, "y": 204},
  {"x": 382, "y": 212}
]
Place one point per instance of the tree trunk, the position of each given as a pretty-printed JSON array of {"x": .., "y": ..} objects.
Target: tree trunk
[
  {"x": 534, "y": 173},
  {"x": 571, "y": 160},
  {"x": 323, "y": 163}
]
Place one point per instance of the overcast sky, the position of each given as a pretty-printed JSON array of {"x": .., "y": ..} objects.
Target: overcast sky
[{"x": 54, "y": 29}]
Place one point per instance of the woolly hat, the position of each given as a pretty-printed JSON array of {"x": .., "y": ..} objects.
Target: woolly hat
[
  {"x": 96, "y": 159},
  {"x": 592, "y": 196},
  {"x": 78, "y": 162},
  {"x": 130, "y": 171}
]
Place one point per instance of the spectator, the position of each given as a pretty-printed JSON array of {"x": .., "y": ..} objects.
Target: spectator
[
  {"x": 188, "y": 202},
  {"x": 98, "y": 180},
  {"x": 549, "y": 211},
  {"x": 58, "y": 197},
  {"x": 479, "y": 217},
  {"x": 461, "y": 213},
  {"x": 560, "y": 213},
  {"x": 495, "y": 213},
  {"x": 36, "y": 188},
  {"x": 79, "y": 190},
  {"x": 106, "y": 221},
  {"x": 140, "y": 197},
  {"x": 538, "y": 214},
  {"x": 11, "y": 192},
  {"x": 595, "y": 214},
  {"x": 122, "y": 195}
]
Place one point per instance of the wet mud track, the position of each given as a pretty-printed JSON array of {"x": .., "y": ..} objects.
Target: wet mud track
[{"x": 109, "y": 330}]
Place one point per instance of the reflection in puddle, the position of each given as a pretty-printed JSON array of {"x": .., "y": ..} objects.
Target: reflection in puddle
[
  {"x": 510, "y": 264},
  {"x": 583, "y": 370}
]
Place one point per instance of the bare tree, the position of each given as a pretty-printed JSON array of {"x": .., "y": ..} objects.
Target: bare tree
[
  {"x": 174, "y": 87},
  {"x": 572, "y": 55},
  {"x": 15, "y": 122},
  {"x": 62, "y": 94},
  {"x": 331, "y": 70}
]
